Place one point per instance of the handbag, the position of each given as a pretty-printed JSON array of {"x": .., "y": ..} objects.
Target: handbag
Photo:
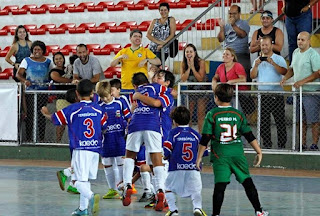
[{"x": 174, "y": 46}]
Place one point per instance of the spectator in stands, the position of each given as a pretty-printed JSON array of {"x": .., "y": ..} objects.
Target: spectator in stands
[
  {"x": 255, "y": 5},
  {"x": 298, "y": 19},
  {"x": 235, "y": 34},
  {"x": 20, "y": 49},
  {"x": 86, "y": 67},
  {"x": 270, "y": 67},
  {"x": 37, "y": 69},
  {"x": 305, "y": 67},
  {"x": 267, "y": 29},
  {"x": 193, "y": 69},
  {"x": 69, "y": 68},
  {"x": 133, "y": 59},
  {"x": 231, "y": 72},
  {"x": 161, "y": 31}
]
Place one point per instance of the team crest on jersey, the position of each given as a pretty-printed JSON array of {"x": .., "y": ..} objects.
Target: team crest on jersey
[
  {"x": 118, "y": 114},
  {"x": 139, "y": 55}
]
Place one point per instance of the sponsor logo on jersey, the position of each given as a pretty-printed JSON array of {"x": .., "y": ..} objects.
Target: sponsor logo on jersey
[
  {"x": 113, "y": 127},
  {"x": 83, "y": 143},
  {"x": 186, "y": 166},
  {"x": 118, "y": 114},
  {"x": 87, "y": 114},
  {"x": 139, "y": 55},
  {"x": 186, "y": 139},
  {"x": 142, "y": 109}
]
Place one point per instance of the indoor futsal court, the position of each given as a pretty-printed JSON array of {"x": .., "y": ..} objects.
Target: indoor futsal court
[{"x": 31, "y": 188}]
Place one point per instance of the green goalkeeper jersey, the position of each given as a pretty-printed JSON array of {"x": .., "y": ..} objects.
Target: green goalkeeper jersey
[{"x": 226, "y": 125}]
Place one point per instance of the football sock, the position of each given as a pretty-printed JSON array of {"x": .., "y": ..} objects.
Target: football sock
[
  {"x": 84, "y": 189},
  {"x": 218, "y": 196},
  {"x": 120, "y": 170},
  {"x": 128, "y": 168},
  {"x": 196, "y": 200},
  {"x": 171, "y": 199},
  {"x": 67, "y": 172},
  {"x": 110, "y": 177},
  {"x": 146, "y": 181},
  {"x": 158, "y": 177},
  {"x": 252, "y": 194}
]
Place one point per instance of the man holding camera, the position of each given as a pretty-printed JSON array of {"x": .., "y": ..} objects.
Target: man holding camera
[{"x": 270, "y": 67}]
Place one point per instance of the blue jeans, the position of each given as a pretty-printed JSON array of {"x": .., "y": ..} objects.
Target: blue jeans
[{"x": 294, "y": 26}]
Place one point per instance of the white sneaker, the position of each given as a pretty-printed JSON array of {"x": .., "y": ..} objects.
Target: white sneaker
[
  {"x": 263, "y": 213},
  {"x": 199, "y": 212}
]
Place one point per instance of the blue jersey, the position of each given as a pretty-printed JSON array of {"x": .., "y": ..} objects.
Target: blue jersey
[
  {"x": 181, "y": 148},
  {"x": 85, "y": 121},
  {"x": 126, "y": 100},
  {"x": 166, "y": 121},
  {"x": 146, "y": 117},
  {"x": 114, "y": 143}
]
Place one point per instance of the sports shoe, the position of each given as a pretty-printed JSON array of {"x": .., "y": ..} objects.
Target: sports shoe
[
  {"x": 62, "y": 179},
  {"x": 146, "y": 196},
  {"x": 263, "y": 213},
  {"x": 171, "y": 213},
  {"x": 72, "y": 190},
  {"x": 314, "y": 147},
  {"x": 111, "y": 194},
  {"x": 120, "y": 186},
  {"x": 199, "y": 212},
  {"x": 304, "y": 147},
  {"x": 126, "y": 196},
  {"x": 78, "y": 212},
  {"x": 134, "y": 190},
  {"x": 94, "y": 204},
  {"x": 159, "y": 206}
]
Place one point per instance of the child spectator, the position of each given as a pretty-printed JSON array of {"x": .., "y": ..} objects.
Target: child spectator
[
  {"x": 69, "y": 69},
  {"x": 181, "y": 149},
  {"x": 86, "y": 122},
  {"x": 224, "y": 126},
  {"x": 114, "y": 144}
]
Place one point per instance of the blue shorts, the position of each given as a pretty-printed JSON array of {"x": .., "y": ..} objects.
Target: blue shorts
[{"x": 310, "y": 108}]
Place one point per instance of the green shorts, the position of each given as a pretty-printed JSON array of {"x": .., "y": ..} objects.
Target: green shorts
[{"x": 223, "y": 167}]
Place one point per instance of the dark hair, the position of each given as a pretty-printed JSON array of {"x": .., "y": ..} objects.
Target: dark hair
[
  {"x": 115, "y": 83},
  {"x": 85, "y": 88},
  {"x": 181, "y": 115},
  {"x": 196, "y": 58},
  {"x": 224, "y": 92},
  {"x": 40, "y": 44},
  {"x": 164, "y": 4},
  {"x": 267, "y": 37},
  {"x": 239, "y": 8},
  {"x": 135, "y": 31},
  {"x": 73, "y": 58},
  {"x": 16, "y": 38},
  {"x": 59, "y": 53},
  {"x": 81, "y": 45},
  {"x": 168, "y": 76},
  {"x": 139, "y": 79},
  {"x": 71, "y": 96}
]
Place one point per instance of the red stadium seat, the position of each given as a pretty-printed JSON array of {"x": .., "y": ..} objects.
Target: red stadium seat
[
  {"x": 66, "y": 26},
  {"x": 208, "y": 25},
  {"x": 86, "y": 4},
  {"x": 10, "y": 28},
  {"x": 47, "y": 6},
  {"x": 95, "y": 8},
  {"x": 127, "y": 45},
  {"x": 38, "y": 10},
  {"x": 127, "y": 24},
  {"x": 125, "y": 3},
  {"x": 153, "y": 6},
  {"x": 30, "y": 26},
  {"x": 4, "y": 52},
  {"x": 199, "y": 4},
  {"x": 115, "y": 7},
  {"x": 57, "y": 10},
  {"x": 4, "y": 12},
  {"x": 107, "y": 75},
  {"x": 11, "y": 7},
  {"x": 99, "y": 29},
  {"x": 145, "y": 2},
  {"x": 181, "y": 26},
  {"x": 3, "y": 32},
  {"x": 136, "y": 7},
  {"x": 116, "y": 50},
  {"x": 118, "y": 29},
  {"x": 102, "y": 51},
  {"x": 167, "y": 1},
  {"x": 178, "y": 5},
  {"x": 29, "y": 6},
  {"x": 87, "y": 25},
  {"x": 144, "y": 25},
  {"x": 49, "y": 48},
  {"x": 112, "y": 47},
  {"x": 39, "y": 31},
  {"x": 118, "y": 74},
  {"x": 77, "y": 9},
  {"x": 226, "y": 3},
  {"x": 186, "y": 1},
  {"x": 77, "y": 30},
  {"x": 4, "y": 75},
  {"x": 182, "y": 45},
  {"x": 70, "y": 47},
  {"x": 57, "y": 31},
  {"x": 107, "y": 25},
  {"x": 67, "y": 5},
  {"x": 19, "y": 11},
  {"x": 46, "y": 27},
  {"x": 93, "y": 46},
  {"x": 105, "y": 4},
  {"x": 113, "y": 70},
  {"x": 8, "y": 71}
]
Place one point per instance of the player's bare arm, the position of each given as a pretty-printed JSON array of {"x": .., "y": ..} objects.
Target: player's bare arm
[{"x": 147, "y": 100}]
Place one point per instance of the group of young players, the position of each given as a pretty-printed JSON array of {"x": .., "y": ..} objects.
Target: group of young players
[{"x": 108, "y": 125}]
